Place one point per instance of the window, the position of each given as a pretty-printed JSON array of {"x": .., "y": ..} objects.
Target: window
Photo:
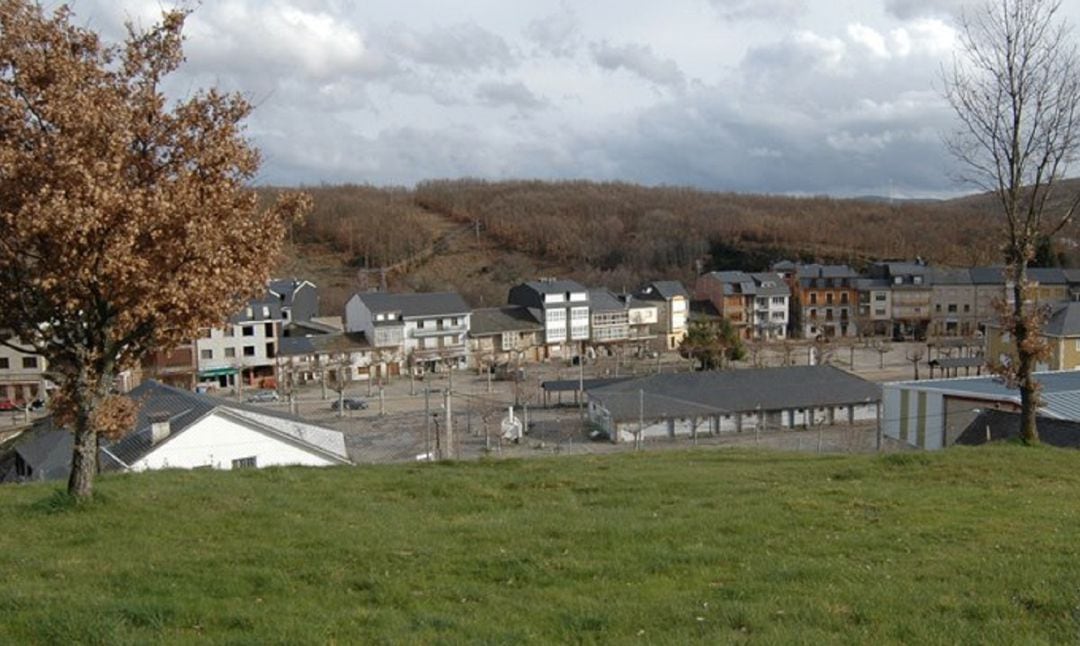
[
  {"x": 206, "y": 333},
  {"x": 270, "y": 350},
  {"x": 967, "y": 308},
  {"x": 248, "y": 330},
  {"x": 937, "y": 307},
  {"x": 206, "y": 354},
  {"x": 245, "y": 463},
  {"x": 898, "y": 280},
  {"x": 420, "y": 325},
  {"x": 777, "y": 300},
  {"x": 249, "y": 351},
  {"x": 828, "y": 298},
  {"x": 265, "y": 312},
  {"x": 916, "y": 280},
  {"x": 268, "y": 330},
  {"x": 880, "y": 296},
  {"x": 844, "y": 298},
  {"x": 879, "y": 311},
  {"x": 4, "y": 363},
  {"x": 952, "y": 308},
  {"x": 230, "y": 330},
  {"x": 230, "y": 353},
  {"x": 813, "y": 298}
]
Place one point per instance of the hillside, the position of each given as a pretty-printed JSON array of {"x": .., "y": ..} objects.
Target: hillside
[
  {"x": 964, "y": 546},
  {"x": 481, "y": 237}
]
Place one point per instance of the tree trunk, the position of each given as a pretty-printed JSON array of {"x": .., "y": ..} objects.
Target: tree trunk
[
  {"x": 83, "y": 461},
  {"x": 1029, "y": 394}
]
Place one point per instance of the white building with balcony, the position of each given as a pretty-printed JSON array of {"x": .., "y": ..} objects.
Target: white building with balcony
[{"x": 426, "y": 331}]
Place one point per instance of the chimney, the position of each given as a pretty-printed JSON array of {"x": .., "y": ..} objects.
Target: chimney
[{"x": 159, "y": 427}]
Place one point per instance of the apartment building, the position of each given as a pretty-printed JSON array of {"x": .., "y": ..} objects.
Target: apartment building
[
  {"x": 428, "y": 331},
  {"x": 563, "y": 307}
]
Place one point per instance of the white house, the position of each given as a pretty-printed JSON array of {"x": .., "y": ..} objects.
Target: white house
[
  {"x": 428, "y": 330},
  {"x": 178, "y": 429},
  {"x": 247, "y": 344},
  {"x": 184, "y": 430}
]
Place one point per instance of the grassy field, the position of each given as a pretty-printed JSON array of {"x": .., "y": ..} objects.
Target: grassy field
[{"x": 963, "y": 546}]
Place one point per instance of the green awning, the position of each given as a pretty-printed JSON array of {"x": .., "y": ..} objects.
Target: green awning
[{"x": 217, "y": 372}]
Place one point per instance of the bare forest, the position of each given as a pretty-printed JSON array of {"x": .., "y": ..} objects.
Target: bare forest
[{"x": 617, "y": 234}]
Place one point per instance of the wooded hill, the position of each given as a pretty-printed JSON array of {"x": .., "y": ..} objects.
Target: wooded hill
[{"x": 617, "y": 234}]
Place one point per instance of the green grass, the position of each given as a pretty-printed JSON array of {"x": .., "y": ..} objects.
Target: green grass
[{"x": 962, "y": 546}]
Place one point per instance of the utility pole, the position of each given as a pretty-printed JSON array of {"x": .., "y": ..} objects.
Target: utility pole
[
  {"x": 427, "y": 420},
  {"x": 382, "y": 402},
  {"x": 878, "y": 415},
  {"x": 448, "y": 453},
  {"x": 641, "y": 419}
]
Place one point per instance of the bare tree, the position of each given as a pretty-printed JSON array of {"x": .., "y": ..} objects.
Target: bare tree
[
  {"x": 915, "y": 356},
  {"x": 882, "y": 348},
  {"x": 1015, "y": 88},
  {"x": 339, "y": 375},
  {"x": 126, "y": 219}
]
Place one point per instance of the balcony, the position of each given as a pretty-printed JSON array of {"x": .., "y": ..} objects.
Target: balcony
[{"x": 439, "y": 330}]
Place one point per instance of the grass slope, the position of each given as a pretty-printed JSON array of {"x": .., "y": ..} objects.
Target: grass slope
[{"x": 705, "y": 546}]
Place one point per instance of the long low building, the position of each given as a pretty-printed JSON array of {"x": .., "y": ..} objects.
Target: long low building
[
  {"x": 932, "y": 414},
  {"x": 693, "y": 403}
]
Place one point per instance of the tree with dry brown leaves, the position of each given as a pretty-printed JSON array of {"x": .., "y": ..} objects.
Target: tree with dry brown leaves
[
  {"x": 126, "y": 218},
  {"x": 1015, "y": 88}
]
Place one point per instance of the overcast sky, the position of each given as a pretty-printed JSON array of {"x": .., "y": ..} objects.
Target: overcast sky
[{"x": 834, "y": 97}]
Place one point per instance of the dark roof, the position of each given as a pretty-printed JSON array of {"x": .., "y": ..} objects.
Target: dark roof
[
  {"x": 496, "y": 320},
  {"x": 824, "y": 271},
  {"x": 415, "y": 305},
  {"x": 770, "y": 284},
  {"x": 555, "y": 286},
  {"x": 310, "y": 327},
  {"x": 47, "y": 450},
  {"x": 662, "y": 290},
  {"x": 739, "y": 390},
  {"x": 1047, "y": 275},
  {"x": 1005, "y": 425},
  {"x": 285, "y": 288},
  {"x": 950, "y": 276},
  {"x": 567, "y": 385},
  {"x": 987, "y": 275},
  {"x": 293, "y": 346},
  {"x": 905, "y": 268},
  {"x": 757, "y": 284},
  {"x": 271, "y": 303},
  {"x": 866, "y": 284},
  {"x": 602, "y": 300},
  {"x": 1064, "y": 320}
]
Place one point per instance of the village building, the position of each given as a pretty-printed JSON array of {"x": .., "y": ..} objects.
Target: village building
[
  {"x": 563, "y": 307},
  {"x": 698, "y": 403}
]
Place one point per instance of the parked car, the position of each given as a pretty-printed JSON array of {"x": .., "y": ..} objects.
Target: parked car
[
  {"x": 264, "y": 396},
  {"x": 350, "y": 403}
]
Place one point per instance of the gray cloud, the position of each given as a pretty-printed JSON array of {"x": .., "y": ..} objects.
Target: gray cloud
[
  {"x": 461, "y": 47},
  {"x": 556, "y": 34},
  {"x": 515, "y": 94},
  {"x": 640, "y": 60},
  {"x": 909, "y": 9},
  {"x": 770, "y": 10}
]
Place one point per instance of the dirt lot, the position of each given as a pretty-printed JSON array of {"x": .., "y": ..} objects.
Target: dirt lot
[{"x": 395, "y": 428}]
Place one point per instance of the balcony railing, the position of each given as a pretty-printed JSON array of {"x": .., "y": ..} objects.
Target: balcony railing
[{"x": 442, "y": 330}]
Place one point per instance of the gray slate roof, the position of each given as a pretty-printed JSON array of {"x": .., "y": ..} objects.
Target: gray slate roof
[
  {"x": 662, "y": 290},
  {"x": 602, "y": 300},
  {"x": 950, "y": 276},
  {"x": 987, "y": 275},
  {"x": 298, "y": 346},
  {"x": 1060, "y": 391},
  {"x": 733, "y": 391},
  {"x": 740, "y": 282},
  {"x": 1064, "y": 320},
  {"x": 416, "y": 305},
  {"x": 496, "y": 320},
  {"x": 555, "y": 286}
]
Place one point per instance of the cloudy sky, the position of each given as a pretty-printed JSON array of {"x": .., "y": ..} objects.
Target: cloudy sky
[{"x": 837, "y": 97}]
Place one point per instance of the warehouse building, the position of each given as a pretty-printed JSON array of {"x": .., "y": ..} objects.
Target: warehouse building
[{"x": 714, "y": 402}]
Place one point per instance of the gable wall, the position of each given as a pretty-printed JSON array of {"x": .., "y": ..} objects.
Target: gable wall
[{"x": 215, "y": 442}]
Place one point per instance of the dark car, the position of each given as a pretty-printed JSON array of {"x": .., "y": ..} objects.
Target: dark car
[{"x": 350, "y": 403}]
